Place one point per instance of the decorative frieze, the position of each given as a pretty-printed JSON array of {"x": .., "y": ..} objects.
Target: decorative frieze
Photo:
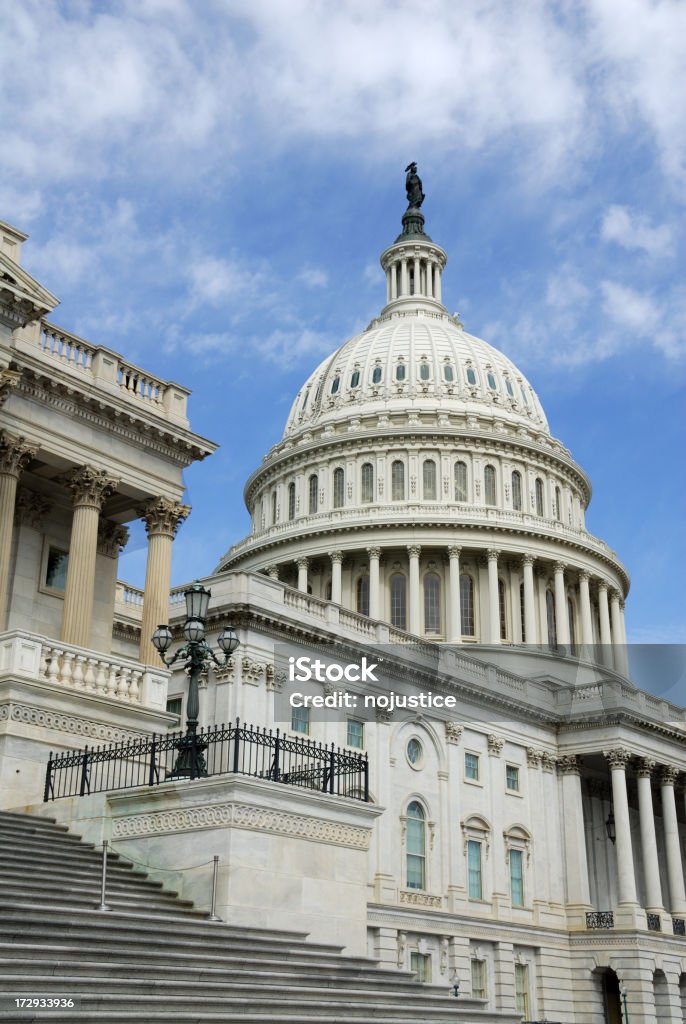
[{"x": 421, "y": 899}]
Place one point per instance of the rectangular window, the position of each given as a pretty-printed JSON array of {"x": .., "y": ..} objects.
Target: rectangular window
[
  {"x": 355, "y": 733},
  {"x": 517, "y": 878},
  {"x": 174, "y": 705},
  {"x": 478, "y": 979},
  {"x": 474, "y": 885},
  {"x": 471, "y": 767},
  {"x": 300, "y": 720},
  {"x": 522, "y": 990},
  {"x": 512, "y": 778},
  {"x": 56, "y": 571},
  {"x": 420, "y": 964}
]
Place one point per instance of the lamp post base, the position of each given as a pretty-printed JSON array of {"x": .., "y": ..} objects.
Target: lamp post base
[{"x": 191, "y": 763}]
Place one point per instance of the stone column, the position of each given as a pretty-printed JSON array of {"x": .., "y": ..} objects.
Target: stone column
[
  {"x": 15, "y": 454},
  {"x": 90, "y": 489},
  {"x": 675, "y": 871},
  {"x": 415, "y": 618},
  {"x": 273, "y": 572},
  {"x": 561, "y": 613},
  {"x": 404, "y": 286},
  {"x": 336, "y": 578},
  {"x": 626, "y": 881},
  {"x": 455, "y": 611},
  {"x": 605, "y": 635},
  {"x": 542, "y": 580},
  {"x": 529, "y": 599},
  {"x": 576, "y": 863},
  {"x": 618, "y": 643},
  {"x": 162, "y": 518},
  {"x": 493, "y": 602},
  {"x": 437, "y": 283},
  {"x": 585, "y": 603},
  {"x": 651, "y": 865},
  {"x": 394, "y": 281},
  {"x": 302, "y": 564},
  {"x": 417, "y": 277},
  {"x": 429, "y": 279},
  {"x": 374, "y": 595}
]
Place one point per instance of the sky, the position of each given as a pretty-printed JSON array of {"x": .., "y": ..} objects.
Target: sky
[{"x": 207, "y": 187}]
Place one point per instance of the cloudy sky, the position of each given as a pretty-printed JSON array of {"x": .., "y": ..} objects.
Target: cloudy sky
[{"x": 207, "y": 187}]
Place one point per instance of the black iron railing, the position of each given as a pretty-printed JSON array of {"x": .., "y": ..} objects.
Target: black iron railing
[
  {"x": 226, "y": 749},
  {"x": 678, "y": 926},
  {"x": 600, "y": 919},
  {"x": 654, "y": 923}
]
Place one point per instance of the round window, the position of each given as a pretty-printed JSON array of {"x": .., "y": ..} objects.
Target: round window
[{"x": 415, "y": 753}]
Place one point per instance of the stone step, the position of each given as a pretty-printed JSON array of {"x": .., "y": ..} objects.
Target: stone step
[
  {"x": 72, "y": 865},
  {"x": 14, "y": 819},
  {"x": 85, "y": 895},
  {"x": 15, "y": 872}
]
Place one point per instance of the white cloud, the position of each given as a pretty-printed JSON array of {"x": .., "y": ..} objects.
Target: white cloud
[
  {"x": 221, "y": 281},
  {"x": 629, "y": 308},
  {"x": 313, "y": 277},
  {"x": 634, "y": 231}
]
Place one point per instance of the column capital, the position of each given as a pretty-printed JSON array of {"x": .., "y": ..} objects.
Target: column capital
[
  {"x": 163, "y": 516},
  {"x": 336, "y": 557},
  {"x": 569, "y": 764},
  {"x": 618, "y": 757},
  {"x": 584, "y": 576},
  {"x": 374, "y": 552},
  {"x": 31, "y": 508},
  {"x": 414, "y": 550},
  {"x": 559, "y": 566},
  {"x": 602, "y": 585},
  {"x": 15, "y": 454},
  {"x": 302, "y": 563},
  {"x": 668, "y": 775},
  {"x": 273, "y": 572},
  {"x": 454, "y": 551},
  {"x": 112, "y": 538},
  {"x": 614, "y": 595},
  {"x": 533, "y": 757},
  {"x": 493, "y": 554},
  {"x": 645, "y": 766},
  {"x": 453, "y": 732},
  {"x": 528, "y": 559},
  {"x": 90, "y": 487},
  {"x": 495, "y": 745}
]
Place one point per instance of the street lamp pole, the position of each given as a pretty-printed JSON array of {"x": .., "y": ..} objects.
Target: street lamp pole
[
  {"x": 197, "y": 654},
  {"x": 622, "y": 992}
]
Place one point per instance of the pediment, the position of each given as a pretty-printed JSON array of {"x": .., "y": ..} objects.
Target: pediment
[{"x": 22, "y": 297}]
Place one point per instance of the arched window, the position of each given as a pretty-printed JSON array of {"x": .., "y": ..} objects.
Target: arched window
[
  {"x": 398, "y": 601},
  {"x": 400, "y": 371},
  {"x": 398, "y": 480},
  {"x": 335, "y": 385},
  {"x": 467, "y": 605},
  {"x": 429, "y": 479},
  {"x": 489, "y": 485},
  {"x": 416, "y": 846},
  {"x": 377, "y": 374},
  {"x": 362, "y": 595},
  {"x": 367, "y": 482},
  {"x": 491, "y": 381},
  {"x": 508, "y": 385},
  {"x": 558, "y": 504},
  {"x": 432, "y": 603},
  {"x": 570, "y": 614},
  {"x": 314, "y": 494},
  {"x": 517, "y": 491},
  {"x": 521, "y": 611},
  {"x": 291, "y": 501},
  {"x": 424, "y": 371},
  {"x": 461, "y": 481},
  {"x": 471, "y": 376},
  {"x": 448, "y": 373},
  {"x": 273, "y": 507},
  {"x": 501, "y": 610},
  {"x": 355, "y": 378},
  {"x": 550, "y": 615},
  {"x": 539, "y": 496},
  {"x": 338, "y": 488}
]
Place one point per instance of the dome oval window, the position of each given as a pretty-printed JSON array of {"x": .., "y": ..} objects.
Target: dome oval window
[
  {"x": 355, "y": 379},
  {"x": 524, "y": 398},
  {"x": 491, "y": 381},
  {"x": 471, "y": 376},
  {"x": 448, "y": 373},
  {"x": 510, "y": 389},
  {"x": 424, "y": 371},
  {"x": 400, "y": 371},
  {"x": 335, "y": 385},
  {"x": 377, "y": 375}
]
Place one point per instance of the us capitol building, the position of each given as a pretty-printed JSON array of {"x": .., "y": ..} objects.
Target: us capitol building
[{"x": 527, "y": 842}]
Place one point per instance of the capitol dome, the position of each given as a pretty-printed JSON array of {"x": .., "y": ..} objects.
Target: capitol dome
[{"x": 417, "y": 483}]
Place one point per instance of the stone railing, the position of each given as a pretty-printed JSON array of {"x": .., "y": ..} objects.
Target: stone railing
[
  {"x": 106, "y": 369},
  {"x": 25, "y": 655}
]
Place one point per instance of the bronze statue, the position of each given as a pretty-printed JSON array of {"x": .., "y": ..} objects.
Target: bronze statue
[{"x": 413, "y": 184}]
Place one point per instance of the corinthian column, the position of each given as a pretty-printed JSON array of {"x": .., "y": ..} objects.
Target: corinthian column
[
  {"x": 414, "y": 552},
  {"x": 162, "y": 518},
  {"x": 493, "y": 599},
  {"x": 529, "y": 600},
  {"x": 90, "y": 490},
  {"x": 336, "y": 580},
  {"x": 15, "y": 453},
  {"x": 651, "y": 864},
  {"x": 586, "y": 620},
  {"x": 561, "y": 613},
  {"x": 626, "y": 880},
  {"x": 576, "y": 863},
  {"x": 374, "y": 556},
  {"x": 675, "y": 871},
  {"x": 455, "y": 611}
]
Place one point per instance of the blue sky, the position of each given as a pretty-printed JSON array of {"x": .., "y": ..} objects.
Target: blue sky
[{"x": 207, "y": 188}]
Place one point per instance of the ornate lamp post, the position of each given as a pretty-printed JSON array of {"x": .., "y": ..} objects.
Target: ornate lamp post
[{"x": 196, "y": 653}]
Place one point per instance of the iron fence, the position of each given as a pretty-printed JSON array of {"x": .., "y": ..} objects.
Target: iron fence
[{"x": 227, "y": 749}]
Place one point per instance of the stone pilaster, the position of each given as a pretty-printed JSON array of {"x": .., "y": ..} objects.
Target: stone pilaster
[
  {"x": 15, "y": 454},
  {"x": 162, "y": 518},
  {"x": 90, "y": 489}
]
